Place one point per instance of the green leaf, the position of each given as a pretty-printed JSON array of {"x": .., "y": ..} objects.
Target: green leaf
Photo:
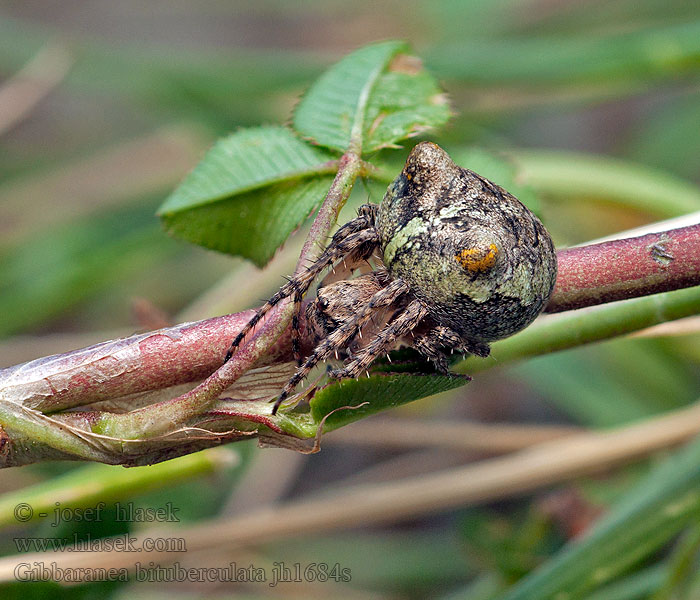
[
  {"x": 404, "y": 103},
  {"x": 415, "y": 561},
  {"x": 252, "y": 225},
  {"x": 333, "y": 111},
  {"x": 645, "y": 520},
  {"x": 250, "y": 191},
  {"x": 379, "y": 392},
  {"x": 372, "y": 98},
  {"x": 84, "y": 487},
  {"x": 637, "y": 586}
]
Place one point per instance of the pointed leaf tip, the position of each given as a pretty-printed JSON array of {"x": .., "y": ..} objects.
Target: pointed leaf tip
[{"x": 371, "y": 99}]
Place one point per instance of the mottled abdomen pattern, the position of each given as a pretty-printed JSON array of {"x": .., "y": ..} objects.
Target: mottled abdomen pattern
[{"x": 479, "y": 260}]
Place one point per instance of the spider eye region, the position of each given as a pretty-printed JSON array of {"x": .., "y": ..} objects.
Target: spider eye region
[{"x": 478, "y": 259}]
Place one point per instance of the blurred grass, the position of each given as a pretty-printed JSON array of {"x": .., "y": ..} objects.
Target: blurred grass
[
  {"x": 70, "y": 264},
  {"x": 620, "y": 79}
]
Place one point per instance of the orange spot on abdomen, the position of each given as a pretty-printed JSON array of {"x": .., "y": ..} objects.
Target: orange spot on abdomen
[{"x": 477, "y": 260}]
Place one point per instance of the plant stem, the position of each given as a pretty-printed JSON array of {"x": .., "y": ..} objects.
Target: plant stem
[
  {"x": 162, "y": 417},
  {"x": 349, "y": 167},
  {"x": 560, "y": 332},
  {"x": 627, "y": 268},
  {"x": 20, "y": 94},
  {"x": 189, "y": 352},
  {"x": 139, "y": 363},
  {"x": 532, "y": 468}
]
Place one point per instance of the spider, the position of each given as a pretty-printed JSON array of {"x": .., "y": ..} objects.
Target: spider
[{"x": 462, "y": 263}]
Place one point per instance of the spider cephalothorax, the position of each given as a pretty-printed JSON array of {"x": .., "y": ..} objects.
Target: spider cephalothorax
[{"x": 463, "y": 263}]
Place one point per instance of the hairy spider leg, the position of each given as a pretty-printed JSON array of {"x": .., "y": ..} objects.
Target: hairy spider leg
[
  {"x": 364, "y": 221},
  {"x": 296, "y": 335},
  {"x": 481, "y": 349},
  {"x": 340, "y": 246},
  {"x": 340, "y": 337},
  {"x": 404, "y": 322},
  {"x": 432, "y": 343}
]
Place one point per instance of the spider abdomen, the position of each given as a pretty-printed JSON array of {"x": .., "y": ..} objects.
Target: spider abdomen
[
  {"x": 465, "y": 263},
  {"x": 477, "y": 258}
]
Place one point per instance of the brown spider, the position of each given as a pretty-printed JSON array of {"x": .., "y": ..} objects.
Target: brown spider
[{"x": 463, "y": 263}]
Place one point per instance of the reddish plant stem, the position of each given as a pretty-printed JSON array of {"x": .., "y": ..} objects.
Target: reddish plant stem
[
  {"x": 349, "y": 166},
  {"x": 588, "y": 275},
  {"x": 143, "y": 362},
  {"x": 627, "y": 268},
  {"x": 162, "y": 416}
]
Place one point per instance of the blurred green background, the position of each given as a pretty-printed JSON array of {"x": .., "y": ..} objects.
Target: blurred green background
[{"x": 105, "y": 106}]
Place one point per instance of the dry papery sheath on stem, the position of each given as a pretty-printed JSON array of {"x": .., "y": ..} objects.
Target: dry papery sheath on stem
[{"x": 448, "y": 261}]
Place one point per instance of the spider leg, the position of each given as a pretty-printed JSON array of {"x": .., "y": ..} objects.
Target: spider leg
[
  {"x": 481, "y": 349},
  {"x": 404, "y": 322},
  {"x": 433, "y": 342},
  {"x": 340, "y": 246},
  {"x": 354, "y": 260},
  {"x": 340, "y": 337},
  {"x": 369, "y": 212},
  {"x": 296, "y": 336}
]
